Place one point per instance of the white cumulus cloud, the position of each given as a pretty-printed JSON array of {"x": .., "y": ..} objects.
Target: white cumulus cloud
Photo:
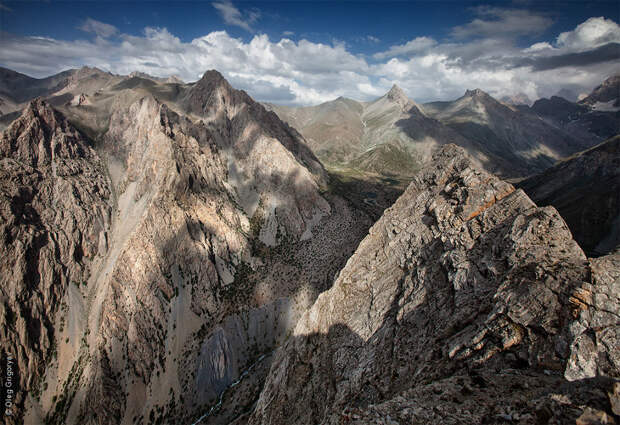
[
  {"x": 100, "y": 28},
  {"x": 592, "y": 33},
  {"x": 417, "y": 45},
  {"x": 304, "y": 72}
]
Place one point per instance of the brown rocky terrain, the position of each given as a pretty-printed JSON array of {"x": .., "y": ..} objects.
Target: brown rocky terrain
[
  {"x": 162, "y": 240},
  {"x": 153, "y": 255},
  {"x": 56, "y": 211},
  {"x": 585, "y": 189},
  {"x": 466, "y": 303}
]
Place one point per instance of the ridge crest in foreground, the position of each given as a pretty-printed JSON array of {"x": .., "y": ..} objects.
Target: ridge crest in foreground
[{"x": 466, "y": 303}]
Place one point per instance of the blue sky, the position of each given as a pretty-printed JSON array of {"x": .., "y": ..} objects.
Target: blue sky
[
  {"x": 392, "y": 22},
  {"x": 302, "y": 52}
]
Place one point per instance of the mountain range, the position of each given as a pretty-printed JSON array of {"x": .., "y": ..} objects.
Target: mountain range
[
  {"x": 180, "y": 253},
  {"x": 394, "y": 136},
  {"x": 152, "y": 257}
]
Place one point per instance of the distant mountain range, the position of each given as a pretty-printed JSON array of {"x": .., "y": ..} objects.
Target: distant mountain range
[{"x": 393, "y": 135}]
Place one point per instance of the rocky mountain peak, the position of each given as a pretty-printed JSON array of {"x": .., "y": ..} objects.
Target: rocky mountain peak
[
  {"x": 39, "y": 109},
  {"x": 55, "y": 203},
  {"x": 213, "y": 78},
  {"x": 87, "y": 71},
  {"x": 213, "y": 94},
  {"x": 516, "y": 99},
  {"x": 608, "y": 91},
  {"x": 477, "y": 94},
  {"x": 174, "y": 79},
  {"x": 41, "y": 134},
  {"x": 397, "y": 94}
]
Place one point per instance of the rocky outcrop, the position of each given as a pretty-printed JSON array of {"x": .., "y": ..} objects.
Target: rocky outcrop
[
  {"x": 152, "y": 272},
  {"x": 585, "y": 189},
  {"x": 466, "y": 303},
  {"x": 213, "y": 98},
  {"x": 55, "y": 204}
]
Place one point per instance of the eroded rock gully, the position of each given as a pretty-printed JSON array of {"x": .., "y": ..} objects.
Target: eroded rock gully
[{"x": 142, "y": 277}]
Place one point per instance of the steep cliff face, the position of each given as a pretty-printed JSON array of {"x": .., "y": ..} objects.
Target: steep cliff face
[
  {"x": 466, "y": 303},
  {"x": 192, "y": 244},
  {"x": 55, "y": 204},
  {"x": 585, "y": 189},
  {"x": 213, "y": 99}
]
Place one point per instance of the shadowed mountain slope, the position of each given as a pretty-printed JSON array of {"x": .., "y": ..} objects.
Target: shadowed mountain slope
[
  {"x": 526, "y": 142},
  {"x": 585, "y": 189}
]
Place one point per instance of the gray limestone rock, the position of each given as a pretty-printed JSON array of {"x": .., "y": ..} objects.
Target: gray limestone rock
[{"x": 463, "y": 283}]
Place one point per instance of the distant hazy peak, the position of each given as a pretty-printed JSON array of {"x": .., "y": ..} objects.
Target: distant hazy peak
[
  {"x": 476, "y": 93},
  {"x": 609, "y": 90},
  {"x": 516, "y": 99},
  {"x": 614, "y": 79},
  {"x": 398, "y": 96},
  {"x": 174, "y": 79},
  {"x": 88, "y": 70}
]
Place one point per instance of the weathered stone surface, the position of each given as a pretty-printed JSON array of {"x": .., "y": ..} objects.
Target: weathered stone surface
[
  {"x": 596, "y": 332},
  {"x": 194, "y": 242},
  {"x": 55, "y": 208},
  {"x": 463, "y": 283}
]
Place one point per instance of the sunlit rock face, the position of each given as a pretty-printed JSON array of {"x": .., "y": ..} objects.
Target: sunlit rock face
[
  {"x": 466, "y": 303},
  {"x": 56, "y": 204},
  {"x": 157, "y": 252}
]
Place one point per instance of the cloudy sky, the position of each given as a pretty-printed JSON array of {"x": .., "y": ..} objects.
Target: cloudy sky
[{"x": 304, "y": 53}]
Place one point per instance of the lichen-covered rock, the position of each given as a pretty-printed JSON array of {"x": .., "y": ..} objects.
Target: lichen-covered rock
[{"x": 463, "y": 288}]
